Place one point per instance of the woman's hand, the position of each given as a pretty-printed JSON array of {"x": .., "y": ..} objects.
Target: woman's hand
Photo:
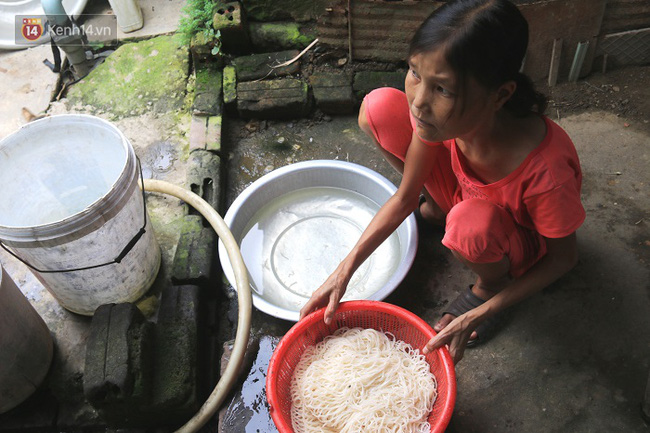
[
  {"x": 330, "y": 294},
  {"x": 455, "y": 335}
]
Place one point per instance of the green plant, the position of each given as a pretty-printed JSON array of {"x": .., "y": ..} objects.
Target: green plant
[{"x": 196, "y": 19}]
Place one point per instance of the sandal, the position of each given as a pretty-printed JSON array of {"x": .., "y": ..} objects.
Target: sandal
[
  {"x": 423, "y": 224},
  {"x": 466, "y": 301}
]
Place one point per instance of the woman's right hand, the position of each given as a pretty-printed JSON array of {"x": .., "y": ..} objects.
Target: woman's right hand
[{"x": 330, "y": 294}]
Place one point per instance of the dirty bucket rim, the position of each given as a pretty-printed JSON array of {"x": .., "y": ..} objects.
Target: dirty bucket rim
[{"x": 99, "y": 209}]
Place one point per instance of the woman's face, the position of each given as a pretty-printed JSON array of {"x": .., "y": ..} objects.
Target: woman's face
[{"x": 432, "y": 91}]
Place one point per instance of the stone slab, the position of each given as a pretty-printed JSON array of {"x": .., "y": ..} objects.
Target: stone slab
[
  {"x": 366, "y": 81},
  {"x": 273, "y": 99},
  {"x": 259, "y": 66},
  {"x": 117, "y": 372},
  {"x": 207, "y": 92},
  {"x": 198, "y": 132},
  {"x": 194, "y": 252},
  {"x": 333, "y": 92},
  {"x": 213, "y": 135},
  {"x": 175, "y": 383},
  {"x": 229, "y": 85}
]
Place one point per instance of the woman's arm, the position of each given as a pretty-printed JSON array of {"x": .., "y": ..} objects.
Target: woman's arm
[
  {"x": 417, "y": 166},
  {"x": 561, "y": 256}
]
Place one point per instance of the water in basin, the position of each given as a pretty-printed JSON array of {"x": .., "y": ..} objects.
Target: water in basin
[{"x": 297, "y": 240}]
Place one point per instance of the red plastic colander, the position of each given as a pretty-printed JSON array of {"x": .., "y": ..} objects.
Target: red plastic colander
[{"x": 377, "y": 315}]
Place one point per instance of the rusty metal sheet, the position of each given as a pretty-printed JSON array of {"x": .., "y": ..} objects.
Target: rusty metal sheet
[
  {"x": 381, "y": 30},
  {"x": 622, "y": 15}
]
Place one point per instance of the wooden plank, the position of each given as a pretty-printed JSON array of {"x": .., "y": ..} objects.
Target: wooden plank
[{"x": 555, "y": 62}]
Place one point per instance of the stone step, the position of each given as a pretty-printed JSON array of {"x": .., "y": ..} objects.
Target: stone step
[
  {"x": 333, "y": 92},
  {"x": 366, "y": 81},
  {"x": 257, "y": 66},
  {"x": 282, "y": 98}
]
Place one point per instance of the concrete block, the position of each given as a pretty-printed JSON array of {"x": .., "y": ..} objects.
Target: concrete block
[
  {"x": 273, "y": 99},
  {"x": 213, "y": 134},
  {"x": 366, "y": 81},
  {"x": 204, "y": 171},
  {"x": 175, "y": 383},
  {"x": 207, "y": 93},
  {"x": 198, "y": 132},
  {"x": 229, "y": 85},
  {"x": 194, "y": 252},
  {"x": 267, "y": 37},
  {"x": 230, "y": 20},
  {"x": 258, "y": 66},
  {"x": 117, "y": 372},
  {"x": 205, "y": 133},
  {"x": 333, "y": 92}
]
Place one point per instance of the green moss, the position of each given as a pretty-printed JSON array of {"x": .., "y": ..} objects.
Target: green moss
[
  {"x": 229, "y": 85},
  {"x": 138, "y": 77},
  {"x": 283, "y": 35}
]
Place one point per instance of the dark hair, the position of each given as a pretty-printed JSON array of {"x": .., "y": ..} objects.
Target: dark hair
[{"x": 486, "y": 39}]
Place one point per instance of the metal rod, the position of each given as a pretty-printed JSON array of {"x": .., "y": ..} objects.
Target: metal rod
[
  {"x": 555, "y": 62},
  {"x": 350, "y": 30}
]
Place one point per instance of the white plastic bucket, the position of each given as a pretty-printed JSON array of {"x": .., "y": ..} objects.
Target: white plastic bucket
[
  {"x": 69, "y": 200},
  {"x": 26, "y": 346}
]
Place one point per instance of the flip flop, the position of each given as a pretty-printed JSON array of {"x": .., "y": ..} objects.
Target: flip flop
[
  {"x": 466, "y": 301},
  {"x": 422, "y": 223}
]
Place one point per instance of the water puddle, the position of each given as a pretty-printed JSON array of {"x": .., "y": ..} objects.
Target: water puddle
[
  {"x": 158, "y": 158},
  {"x": 249, "y": 410}
]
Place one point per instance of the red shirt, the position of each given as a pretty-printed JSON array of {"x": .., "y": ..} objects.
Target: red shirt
[{"x": 542, "y": 194}]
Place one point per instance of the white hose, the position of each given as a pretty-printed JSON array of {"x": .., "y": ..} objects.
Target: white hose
[{"x": 229, "y": 376}]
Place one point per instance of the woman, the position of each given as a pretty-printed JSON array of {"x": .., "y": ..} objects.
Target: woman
[{"x": 469, "y": 134}]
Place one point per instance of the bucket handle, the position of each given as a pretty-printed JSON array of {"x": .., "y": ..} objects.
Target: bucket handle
[{"x": 129, "y": 246}]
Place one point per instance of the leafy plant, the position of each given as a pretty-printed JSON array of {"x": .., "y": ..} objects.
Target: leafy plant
[
  {"x": 196, "y": 19},
  {"x": 216, "y": 49}
]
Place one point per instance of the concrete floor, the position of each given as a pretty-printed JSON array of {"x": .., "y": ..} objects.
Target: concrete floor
[{"x": 574, "y": 358}]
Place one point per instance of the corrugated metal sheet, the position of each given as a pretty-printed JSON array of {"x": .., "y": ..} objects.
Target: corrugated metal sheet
[
  {"x": 381, "y": 30},
  {"x": 622, "y": 15}
]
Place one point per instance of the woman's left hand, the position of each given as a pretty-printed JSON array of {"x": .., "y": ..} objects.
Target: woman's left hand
[{"x": 455, "y": 335}]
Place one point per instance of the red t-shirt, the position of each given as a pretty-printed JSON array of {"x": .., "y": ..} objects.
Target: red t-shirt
[{"x": 542, "y": 194}]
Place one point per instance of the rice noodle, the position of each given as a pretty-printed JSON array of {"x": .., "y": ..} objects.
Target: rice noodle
[{"x": 360, "y": 380}]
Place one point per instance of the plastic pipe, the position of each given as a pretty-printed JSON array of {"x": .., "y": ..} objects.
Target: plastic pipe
[
  {"x": 229, "y": 376},
  {"x": 55, "y": 12}
]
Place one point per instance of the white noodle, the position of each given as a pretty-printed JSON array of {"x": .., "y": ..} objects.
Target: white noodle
[{"x": 361, "y": 380}]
